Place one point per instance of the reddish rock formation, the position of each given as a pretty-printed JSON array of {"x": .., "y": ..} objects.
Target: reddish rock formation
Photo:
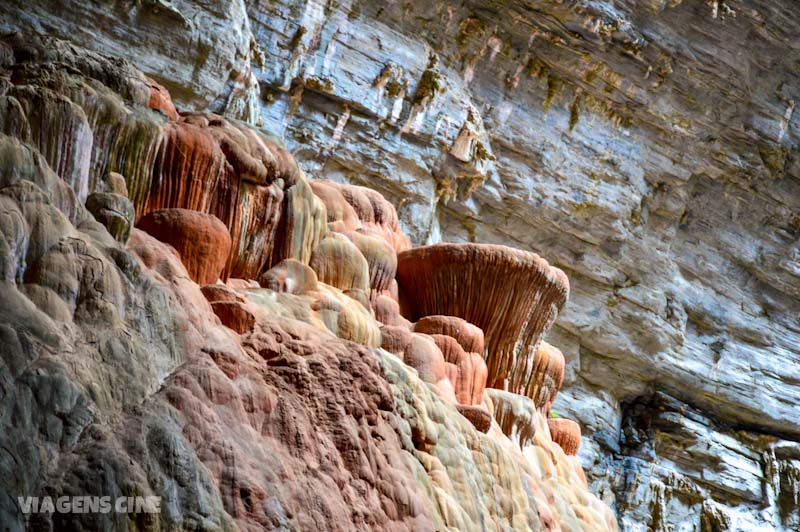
[
  {"x": 161, "y": 100},
  {"x": 512, "y": 295},
  {"x": 211, "y": 164},
  {"x": 548, "y": 375},
  {"x": 387, "y": 311},
  {"x": 341, "y": 215},
  {"x": 480, "y": 418},
  {"x": 469, "y": 336},
  {"x": 230, "y": 307},
  {"x": 281, "y": 426},
  {"x": 189, "y": 170},
  {"x": 234, "y": 315},
  {"x": 566, "y": 433},
  {"x": 468, "y": 376},
  {"x": 424, "y": 355},
  {"x": 395, "y": 339},
  {"x": 221, "y": 293},
  {"x": 201, "y": 240},
  {"x": 291, "y": 427}
]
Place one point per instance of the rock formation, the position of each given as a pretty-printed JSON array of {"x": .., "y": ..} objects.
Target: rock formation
[
  {"x": 647, "y": 149},
  {"x": 512, "y": 295},
  {"x": 223, "y": 354},
  {"x": 566, "y": 433},
  {"x": 201, "y": 240}
]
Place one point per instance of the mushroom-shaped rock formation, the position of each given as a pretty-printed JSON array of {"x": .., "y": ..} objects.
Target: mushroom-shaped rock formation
[
  {"x": 512, "y": 295},
  {"x": 201, "y": 240},
  {"x": 338, "y": 262},
  {"x": 548, "y": 375},
  {"x": 469, "y": 336},
  {"x": 289, "y": 275},
  {"x": 566, "y": 433}
]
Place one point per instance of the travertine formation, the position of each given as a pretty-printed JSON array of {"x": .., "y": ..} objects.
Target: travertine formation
[
  {"x": 201, "y": 240},
  {"x": 647, "y": 148},
  {"x": 548, "y": 375},
  {"x": 224, "y": 353},
  {"x": 566, "y": 433},
  {"x": 514, "y": 296}
]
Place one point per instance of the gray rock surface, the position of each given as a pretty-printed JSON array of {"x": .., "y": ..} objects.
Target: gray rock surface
[{"x": 649, "y": 149}]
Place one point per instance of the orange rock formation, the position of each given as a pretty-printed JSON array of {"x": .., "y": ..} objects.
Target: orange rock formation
[{"x": 512, "y": 295}]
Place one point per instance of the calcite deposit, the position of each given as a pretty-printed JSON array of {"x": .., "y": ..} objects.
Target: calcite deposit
[
  {"x": 512, "y": 295},
  {"x": 240, "y": 353},
  {"x": 649, "y": 150}
]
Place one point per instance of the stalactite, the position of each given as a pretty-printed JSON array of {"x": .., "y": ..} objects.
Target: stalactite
[{"x": 512, "y": 295}]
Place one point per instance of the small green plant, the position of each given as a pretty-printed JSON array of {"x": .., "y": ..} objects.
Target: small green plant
[{"x": 554, "y": 414}]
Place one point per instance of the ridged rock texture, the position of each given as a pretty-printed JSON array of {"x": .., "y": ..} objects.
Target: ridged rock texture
[
  {"x": 223, "y": 354},
  {"x": 647, "y": 149},
  {"x": 512, "y": 295}
]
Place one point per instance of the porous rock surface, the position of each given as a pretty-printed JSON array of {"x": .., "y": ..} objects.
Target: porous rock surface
[{"x": 647, "y": 149}]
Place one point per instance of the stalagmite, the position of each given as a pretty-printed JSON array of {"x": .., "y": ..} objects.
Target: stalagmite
[{"x": 512, "y": 295}]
